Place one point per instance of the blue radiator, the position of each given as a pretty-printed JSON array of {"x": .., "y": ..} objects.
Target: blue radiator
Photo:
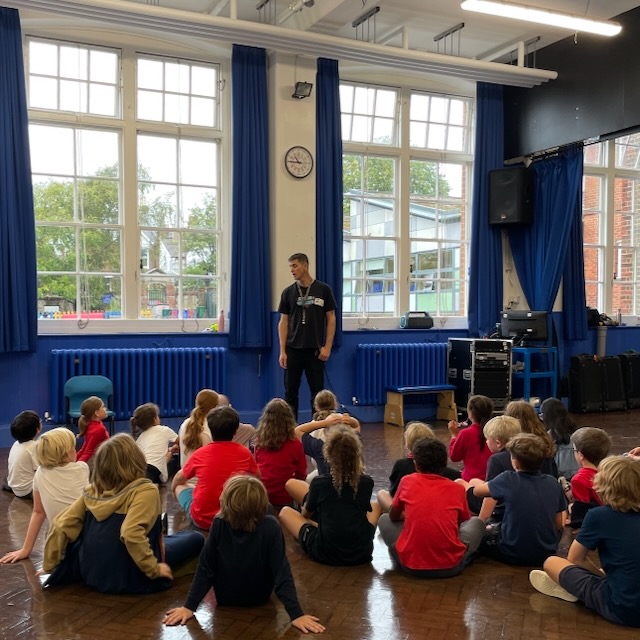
[
  {"x": 170, "y": 377},
  {"x": 379, "y": 366}
]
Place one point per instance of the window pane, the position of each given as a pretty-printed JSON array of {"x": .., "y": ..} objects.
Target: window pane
[
  {"x": 97, "y": 153},
  {"x": 53, "y": 199},
  {"x": 198, "y": 208},
  {"x": 159, "y": 297},
  {"x": 203, "y": 112},
  {"x": 176, "y": 108},
  {"x": 103, "y": 66},
  {"x": 56, "y": 248},
  {"x": 157, "y": 205},
  {"x": 57, "y": 296},
  {"x": 382, "y": 131},
  {"x": 380, "y": 175},
  {"x": 43, "y": 58},
  {"x": 385, "y": 103},
  {"x": 200, "y": 253},
  {"x": 203, "y": 81},
  {"x": 102, "y": 100},
  {"x": 198, "y": 162},
  {"x": 41, "y": 140},
  {"x": 74, "y": 63},
  {"x": 73, "y": 96},
  {"x": 157, "y": 158},
  {"x": 628, "y": 151},
  {"x": 150, "y": 106},
  {"x": 43, "y": 93},
  {"x": 100, "y": 250}
]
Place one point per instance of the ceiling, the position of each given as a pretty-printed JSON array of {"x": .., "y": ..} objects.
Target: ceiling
[
  {"x": 406, "y": 28},
  {"x": 422, "y": 20}
]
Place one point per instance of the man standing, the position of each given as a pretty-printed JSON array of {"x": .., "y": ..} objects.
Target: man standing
[{"x": 305, "y": 307}]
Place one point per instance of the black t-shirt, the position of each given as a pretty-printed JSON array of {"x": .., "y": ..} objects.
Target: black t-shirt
[
  {"x": 345, "y": 536},
  {"x": 314, "y": 302}
]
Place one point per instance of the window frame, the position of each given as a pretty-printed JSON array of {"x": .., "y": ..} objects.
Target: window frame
[
  {"x": 128, "y": 126},
  {"x": 404, "y": 154}
]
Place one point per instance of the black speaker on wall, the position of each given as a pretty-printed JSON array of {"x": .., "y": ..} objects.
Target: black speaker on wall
[{"x": 511, "y": 196}]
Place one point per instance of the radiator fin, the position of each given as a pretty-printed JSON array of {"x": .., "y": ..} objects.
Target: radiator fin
[
  {"x": 170, "y": 377},
  {"x": 379, "y": 366}
]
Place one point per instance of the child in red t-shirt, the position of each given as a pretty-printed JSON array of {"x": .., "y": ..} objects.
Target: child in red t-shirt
[
  {"x": 591, "y": 446},
  {"x": 468, "y": 445},
  {"x": 428, "y": 529},
  {"x": 91, "y": 427},
  {"x": 279, "y": 454}
]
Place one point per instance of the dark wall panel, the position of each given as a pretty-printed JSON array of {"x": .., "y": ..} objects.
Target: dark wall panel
[{"x": 597, "y": 92}]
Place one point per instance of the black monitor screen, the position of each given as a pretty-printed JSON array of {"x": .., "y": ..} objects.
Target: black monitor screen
[{"x": 524, "y": 325}]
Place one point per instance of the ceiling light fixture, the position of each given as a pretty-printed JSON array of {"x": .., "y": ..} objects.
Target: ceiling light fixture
[{"x": 543, "y": 16}]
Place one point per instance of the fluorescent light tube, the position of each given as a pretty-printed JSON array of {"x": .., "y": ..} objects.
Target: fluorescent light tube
[{"x": 542, "y": 16}]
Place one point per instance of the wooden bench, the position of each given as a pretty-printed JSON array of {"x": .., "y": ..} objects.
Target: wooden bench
[{"x": 394, "y": 409}]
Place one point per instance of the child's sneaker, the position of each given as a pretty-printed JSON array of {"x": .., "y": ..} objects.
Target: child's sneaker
[{"x": 544, "y": 584}]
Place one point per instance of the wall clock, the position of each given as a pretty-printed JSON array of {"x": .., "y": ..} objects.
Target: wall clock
[{"x": 298, "y": 162}]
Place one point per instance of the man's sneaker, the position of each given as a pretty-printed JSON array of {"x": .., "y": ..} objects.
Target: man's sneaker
[{"x": 544, "y": 584}]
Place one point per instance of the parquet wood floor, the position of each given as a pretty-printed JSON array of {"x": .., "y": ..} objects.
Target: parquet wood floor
[{"x": 373, "y": 602}]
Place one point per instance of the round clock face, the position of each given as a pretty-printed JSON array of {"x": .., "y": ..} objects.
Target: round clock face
[{"x": 299, "y": 162}]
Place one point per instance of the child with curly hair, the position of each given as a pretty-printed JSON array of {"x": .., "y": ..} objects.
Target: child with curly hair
[
  {"x": 244, "y": 559},
  {"x": 279, "y": 454},
  {"x": 338, "y": 519}
]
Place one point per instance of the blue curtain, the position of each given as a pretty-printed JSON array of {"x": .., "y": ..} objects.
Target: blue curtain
[
  {"x": 485, "y": 259},
  {"x": 329, "y": 183},
  {"x": 250, "y": 304},
  {"x": 18, "y": 281},
  {"x": 549, "y": 248}
]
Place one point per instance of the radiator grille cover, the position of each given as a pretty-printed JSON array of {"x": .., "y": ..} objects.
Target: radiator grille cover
[{"x": 170, "y": 377}]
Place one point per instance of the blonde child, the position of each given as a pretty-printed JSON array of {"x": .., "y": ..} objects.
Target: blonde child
[
  {"x": 498, "y": 432},
  {"x": 58, "y": 481},
  {"x": 338, "y": 519},
  {"x": 415, "y": 431},
  {"x": 468, "y": 444},
  {"x": 91, "y": 427},
  {"x": 244, "y": 559},
  {"x": 279, "y": 454},
  {"x": 154, "y": 440},
  {"x": 613, "y": 531},
  {"x": 110, "y": 538}
]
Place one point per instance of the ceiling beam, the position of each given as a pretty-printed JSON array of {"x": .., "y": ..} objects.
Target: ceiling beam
[{"x": 187, "y": 24}]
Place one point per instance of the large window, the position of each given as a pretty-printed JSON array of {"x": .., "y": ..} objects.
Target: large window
[
  {"x": 611, "y": 222},
  {"x": 126, "y": 154},
  {"x": 406, "y": 169}
]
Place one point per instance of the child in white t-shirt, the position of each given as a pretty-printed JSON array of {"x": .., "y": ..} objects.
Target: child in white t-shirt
[
  {"x": 21, "y": 465},
  {"x": 154, "y": 440},
  {"x": 58, "y": 481}
]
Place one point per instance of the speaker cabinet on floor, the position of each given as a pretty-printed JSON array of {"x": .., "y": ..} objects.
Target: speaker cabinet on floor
[{"x": 511, "y": 196}]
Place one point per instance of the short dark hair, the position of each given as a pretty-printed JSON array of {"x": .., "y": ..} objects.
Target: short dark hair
[
  {"x": 528, "y": 450},
  {"x": 429, "y": 455},
  {"x": 592, "y": 443},
  {"x": 299, "y": 257},
  {"x": 25, "y": 425},
  {"x": 223, "y": 423}
]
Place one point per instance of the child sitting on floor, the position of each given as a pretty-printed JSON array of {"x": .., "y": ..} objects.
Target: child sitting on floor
[
  {"x": 591, "y": 446},
  {"x": 498, "y": 432},
  {"x": 613, "y": 530},
  {"x": 560, "y": 427},
  {"x": 91, "y": 427},
  {"x": 534, "y": 506},
  {"x": 110, "y": 538},
  {"x": 279, "y": 454},
  {"x": 338, "y": 520},
  {"x": 194, "y": 431},
  {"x": 415, "y": 431},
  {"x": 154, "y": 440},
  {"x": 325, "y": 404},
  {"x": 21, "y": 465},
  {"x": 244, "y": 558},
  {"x": 58, "y": 481},
  {"x": 428, "y": 529},
  {"x": 530, "y": 423},
  {"x": 468, "y": 444},
  {"x": 212, "y": 465}
]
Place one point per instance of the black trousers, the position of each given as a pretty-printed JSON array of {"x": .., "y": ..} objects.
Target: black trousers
[{"x": 301, "y": 361}]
